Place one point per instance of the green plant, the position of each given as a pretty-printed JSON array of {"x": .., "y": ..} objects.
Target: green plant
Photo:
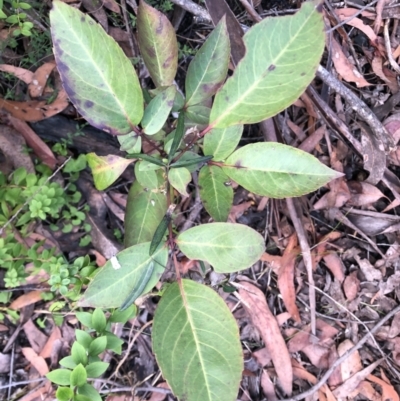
[
  {"x": 16, "y": 18},
  {"x": 195, "y": 337},
  {"x": 25, "y": 199},
  {"x": 84, "y": 362}
]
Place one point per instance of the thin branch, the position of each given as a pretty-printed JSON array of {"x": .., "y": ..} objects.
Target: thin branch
[
  {"x": 193, "y": 8},
  {"x": 388, "y": 47},
  {"x": 250, "y": 10},
  {"x": 362, "y": 110},
  {"x": 128, "y": 28},
  {"x": 352, "y": 17}
]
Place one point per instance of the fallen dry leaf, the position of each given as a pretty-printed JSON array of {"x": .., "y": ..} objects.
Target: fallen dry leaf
[
  {"x": 35, "y": 110},
  {"x": 363, "y": 193},
  {"x": 300, "y": 372},
  {"x": 238, "y": 210},
  {"x": 47, "y": 349},
  {"x": 42, "y": 151},
  {"x": 350, "y": 385},
  {"x": 366, "y": 389},
  {"x": 39, "y": 79},
  {"x": 371, "y": 274},
  {"x": 359, "y": 24},
  {"x": 351, "y": 286},
  {"x": 112, "y": 5},
  {"x": 20, "y": 73},
  {"x": 267, "y": 386},
  {"x": 5, "y": 360},
  {"x": 335, "y": 265},
  {"x": 344, "y": 67},
  {"x": 388, "y": 391},
  {"x": 159, "y": 396},
  {"x": 338, "y": 195},
  {"x": 26, "y": 299},
  {"x": 36, "y": 338},
  {"x": 37, "y": 361},
  {"x": 256, "y": 306},
  {"x": 352, "y": 364},
  {"x": 286, "y": 278},
  {"x": 274, "y": 261},
  {"x": 262, "y": 356},
  {"x": 42, "y": 393},
  {"x": 309, "y": 144}
]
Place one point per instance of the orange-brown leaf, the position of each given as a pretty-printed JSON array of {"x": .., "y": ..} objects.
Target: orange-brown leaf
[{"x": 262, "y": 318}]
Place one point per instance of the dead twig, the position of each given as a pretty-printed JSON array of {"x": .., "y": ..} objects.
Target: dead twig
[
  {"x": 332, "y": 119},
  {"x": 250, "y": 10},
  {"x": 367, "y": 6},
  {"x": 340, "y": 360},
  {"x": 128, "y": 28},
  {"x": 362, "y": 110},
  {"x": 130, "y": 345},
  {"x": 306, "y": 253},
  {"x": 388, "y": 47},
  {"x": 193, "y": 8}
]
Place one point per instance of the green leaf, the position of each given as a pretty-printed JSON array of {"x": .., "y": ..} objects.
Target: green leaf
[
  {"x": 89, "y": 392},
  {"x": 68, "y": 362},
  {"x": 96, "y": 369},
  {"x": 198, "y": 114},
  {"x": 158, "y": 44},
  {"x": 85, "y": 318},
  {"x": 25, "y": 6},
  {"x": 106, "y": 169},
  {"x": 130, "y": 143},
  {"x": 123, "y": 316},
  {"x": 99, "y": 321},
  {"x": 187, "y": 160},
  {"x": 144, "y": 211},
  {"x": 110, "y": 287},
  {"x": 227, "y": 247},
  {"x": 78, "y": 354},
  {"x": 147, "y": 158},
  {"x": 221, "y": 142},
  {"x": 179, "y": 178},
  {"x": 97, "y": 76},
  {"x": 97, "y": 346},
  {"x": 64, "y": 393},
  {"x": 80, "y": 397},
  {"x": 179, "y": 133},
  {"x": 276, "y": 170},
  {"x": 149, "y": 178},
  {"x": 78, "y": 376},
  {"x": 157, "y": 111},
  {"x": 61, "y": 377},
  {"x": 12, "y": 19},
  {"x": 140, "y": 286},
  {"x": 215, "y": 192},
  {"x": 114, "y": 343},
  {"x": 196, "y": 343},
  {"x": 282, "y": 55},
  {"x": 208, "y": 69},
  {"x": 83, "y": 338}
]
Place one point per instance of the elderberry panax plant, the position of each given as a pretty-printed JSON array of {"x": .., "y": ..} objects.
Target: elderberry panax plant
[{"x": 168, "y": 133}]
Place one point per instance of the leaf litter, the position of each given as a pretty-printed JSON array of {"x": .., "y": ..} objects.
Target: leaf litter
[{"x": 351, "y": 227}]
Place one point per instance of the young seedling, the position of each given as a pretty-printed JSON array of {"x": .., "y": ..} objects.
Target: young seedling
[{"x": 195, "y": 337}]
